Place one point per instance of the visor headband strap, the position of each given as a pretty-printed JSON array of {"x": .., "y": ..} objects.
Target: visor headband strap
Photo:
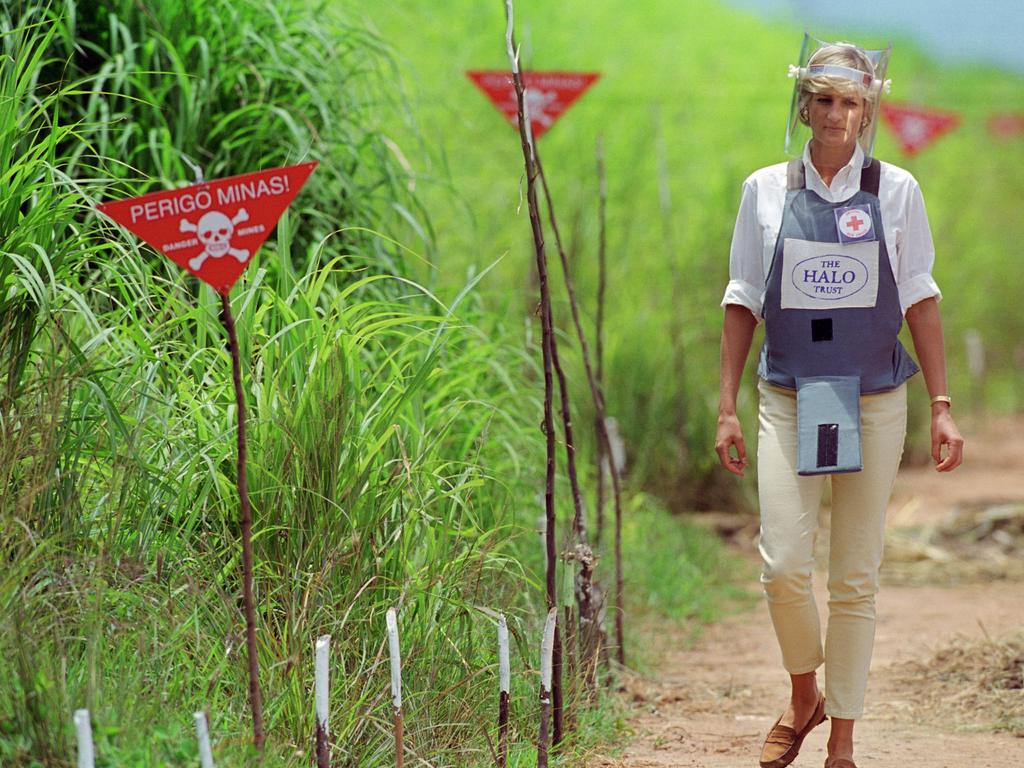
[{"x": 836, "y": 70}]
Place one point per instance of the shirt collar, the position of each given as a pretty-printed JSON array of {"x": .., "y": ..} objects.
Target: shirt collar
[{"x": 845, "y": 184}]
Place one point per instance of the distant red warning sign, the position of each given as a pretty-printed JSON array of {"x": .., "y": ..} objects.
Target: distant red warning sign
[
  {"x": 212, "y": 229},
  {"x": 1007, "y": 125},
  {"x": 548, "y": 94},
  {"x": 917, "y": 127}
]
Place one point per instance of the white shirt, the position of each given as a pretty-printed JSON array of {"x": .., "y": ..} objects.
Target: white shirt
[{"x": 908, "y": 237}]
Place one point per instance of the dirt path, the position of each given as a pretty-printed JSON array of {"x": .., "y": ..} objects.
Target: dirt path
[{"x": 713, "y": 701}]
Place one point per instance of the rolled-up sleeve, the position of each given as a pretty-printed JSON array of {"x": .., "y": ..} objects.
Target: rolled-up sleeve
[
  {"x": 746, "y": 265},
  {"x": 916, "y": 254}
]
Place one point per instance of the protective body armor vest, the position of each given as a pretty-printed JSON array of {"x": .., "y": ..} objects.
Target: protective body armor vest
[{"x": 831, "y": 305}]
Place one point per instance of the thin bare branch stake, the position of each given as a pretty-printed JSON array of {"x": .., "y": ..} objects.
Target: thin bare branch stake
[
  {"x": 83, "y": 733},
  {"x": 505, "y": 684},
  {"x": 547, "y": 647},
  {"x": 396, "y": 684},
  {"x": 322, "y": 683},
  {"x": 255, "y": 698},
  {"x": 579, "y": 521},
  {"x": 580, "y": 544},
  {"x": 598, "y": 397},
  {"x": 605, "y": 466},
  {"x": 529, "y": 157},
  {"x": 203, "y": 739}
]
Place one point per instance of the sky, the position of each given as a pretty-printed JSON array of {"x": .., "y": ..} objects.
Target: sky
[{"x": 953, "y": 31}]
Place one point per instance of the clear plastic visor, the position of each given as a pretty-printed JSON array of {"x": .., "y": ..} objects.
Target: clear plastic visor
[{"x": 797, "y": 133}]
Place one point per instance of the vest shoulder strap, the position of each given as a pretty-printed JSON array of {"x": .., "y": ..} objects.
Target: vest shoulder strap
[
  {"x": 870, "y": 175},
  {"x": 795, "y": 174}
]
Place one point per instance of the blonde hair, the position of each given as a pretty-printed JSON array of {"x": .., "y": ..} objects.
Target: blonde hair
[{"x": 843, "y": 55}]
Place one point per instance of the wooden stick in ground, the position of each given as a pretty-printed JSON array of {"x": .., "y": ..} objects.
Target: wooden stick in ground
[
  {"x": 598, "y": 397},
  {"x": 505, "y": 684},
  {"x": 322, "y": 683},
  {"x": 203, "y": 739},
  {"x": 579, "y": 522},
  {"x": 546, "y": 650},
  {"x": 529, "y": 157},
  {"x": 602, "y": 450},
  {"x": 83, "y": 734},
  {"x": 598, "y": 647},
  {"x": 255, "y": 698},
  {"x": 580, "y": 548},
  {"x": 396, "y": 684}
]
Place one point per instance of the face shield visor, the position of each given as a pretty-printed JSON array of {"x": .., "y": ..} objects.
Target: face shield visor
[{"x": 817, "y": 64}]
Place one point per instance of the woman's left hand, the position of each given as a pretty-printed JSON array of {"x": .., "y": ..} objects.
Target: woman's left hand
[{"x": 945, "y": 433}]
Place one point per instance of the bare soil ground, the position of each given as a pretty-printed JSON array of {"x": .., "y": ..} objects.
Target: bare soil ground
[{"x": 947, "y": 680}]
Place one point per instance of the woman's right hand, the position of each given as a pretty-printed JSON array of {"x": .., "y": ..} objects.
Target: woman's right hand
[
  {"x": 737, "y": 331},
  {"x": 730, "y": 434}
]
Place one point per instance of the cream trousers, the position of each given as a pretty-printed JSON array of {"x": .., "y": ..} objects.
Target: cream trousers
[{"x": 789, "y": 523}]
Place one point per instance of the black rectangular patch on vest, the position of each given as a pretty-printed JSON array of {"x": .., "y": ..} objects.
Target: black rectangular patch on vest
[
  {"x": 828, "y": 445},
  {"x": 821, "y": 329}
]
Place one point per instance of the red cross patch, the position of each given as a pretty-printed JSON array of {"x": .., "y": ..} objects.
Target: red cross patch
[{"x": 854, "y": 224}]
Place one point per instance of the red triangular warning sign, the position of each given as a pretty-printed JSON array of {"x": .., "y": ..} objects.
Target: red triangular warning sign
[
  {"x": 212, "y": 229},
  {"x": 1007, "y": 125},
  {"x": 548, "y": 94},
  {"x": 917, "y": 127}
]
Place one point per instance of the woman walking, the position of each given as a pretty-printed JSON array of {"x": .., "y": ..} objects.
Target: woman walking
[{"x": 831, "y": 251}]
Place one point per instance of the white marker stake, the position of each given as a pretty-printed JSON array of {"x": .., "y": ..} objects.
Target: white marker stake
[
  {"x": 396, "y": 683},
  {"x": 322, "y": 691},
  {"x": 547, "y": 648},
  {"x": 504, "y": 670},
  {"x": 203, "y": 737},
  {"x": 396, "y": 659},
  {"x": 83, "y": 730},
  {"x": 323, "y": 653},
  {"x": 505, "y": 683}
]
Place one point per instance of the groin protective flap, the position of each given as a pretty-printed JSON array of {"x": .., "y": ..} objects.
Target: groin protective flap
[{"x": 828, "y": 425}]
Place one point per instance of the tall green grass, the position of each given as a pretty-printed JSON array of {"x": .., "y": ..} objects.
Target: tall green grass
[{"x": 234, "y": 87}]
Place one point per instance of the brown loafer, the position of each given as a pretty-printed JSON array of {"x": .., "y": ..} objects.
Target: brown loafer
[
  {"x": 839, "y": 762},
  {"x": 783, "y": 743}
]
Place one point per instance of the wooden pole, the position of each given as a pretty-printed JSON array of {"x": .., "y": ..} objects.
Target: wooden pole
[
  {"x": 255, "y": 698},
  {"x": 579, "y": 522},
  {"x": 598, "y": 398},
  {"x": 396, "y": 684},
  {"x": 529, "y": 157},
  {"x": 505, "y": 684},
  {"x": 322, "y": 691}
]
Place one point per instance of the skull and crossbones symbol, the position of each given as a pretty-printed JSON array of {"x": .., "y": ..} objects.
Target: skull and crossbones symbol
[
  {"x": 539, "y": 102},
  {"x": 214, "y": 231}
]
